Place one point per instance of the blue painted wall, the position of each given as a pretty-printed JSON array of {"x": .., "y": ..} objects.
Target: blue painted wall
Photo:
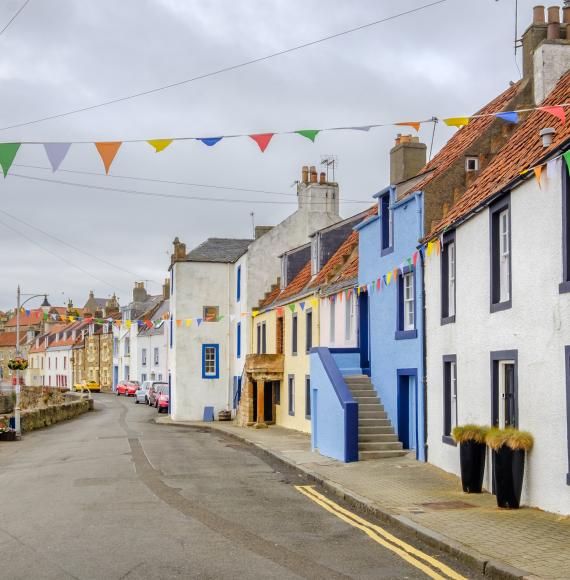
[{"x": 393, "y": 361}]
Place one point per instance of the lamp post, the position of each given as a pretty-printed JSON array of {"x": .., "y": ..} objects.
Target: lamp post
[{"x": 45, "y": 306}]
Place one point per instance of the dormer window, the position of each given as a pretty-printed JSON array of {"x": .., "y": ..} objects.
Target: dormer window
[{"x": 471, "y": 164}]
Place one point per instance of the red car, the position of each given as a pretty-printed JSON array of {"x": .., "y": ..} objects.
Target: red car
[
  {"x": 162, "y": 400},
  {"x": 126, "y": 388}
]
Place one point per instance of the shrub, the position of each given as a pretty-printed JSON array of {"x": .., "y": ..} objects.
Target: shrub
[
  {"x": 510, "y": 437},
  {"x": 464, "y": 433}
]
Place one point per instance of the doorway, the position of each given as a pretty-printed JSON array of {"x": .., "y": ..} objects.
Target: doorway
[
  {"x": 267, "y": 402},
  {"x": 407, "y": 408},
  {"x": 504, "y": 411},
  {"x": 363, "y": 332}
]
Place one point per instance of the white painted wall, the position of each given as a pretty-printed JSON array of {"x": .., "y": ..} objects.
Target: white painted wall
[
  {"x": 59, "y": 365},
  {"x": 538, "y": 325},
  {"x": 199, "y": 284},
  {"x": 339, "y": 336},
  {"x": 153, "y": 372}
]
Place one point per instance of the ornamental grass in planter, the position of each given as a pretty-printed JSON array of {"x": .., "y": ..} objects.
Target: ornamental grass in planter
[
  {"x": 509, "y": 447},
  {"x": 471, "y": 439}
]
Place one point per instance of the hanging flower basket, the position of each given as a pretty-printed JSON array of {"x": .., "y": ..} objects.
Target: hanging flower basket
[{"x": 18, "y": 364}]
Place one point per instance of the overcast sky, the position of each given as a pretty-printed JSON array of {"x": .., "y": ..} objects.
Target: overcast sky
[{"x": 447, "y": 60}]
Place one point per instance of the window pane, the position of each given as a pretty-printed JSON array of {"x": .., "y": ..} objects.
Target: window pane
[{"x": 409, "y": 319}]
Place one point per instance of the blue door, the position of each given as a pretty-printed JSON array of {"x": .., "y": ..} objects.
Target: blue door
[
  {"x": 115, "y": 377},
  {"x": 407, "y": 410}
]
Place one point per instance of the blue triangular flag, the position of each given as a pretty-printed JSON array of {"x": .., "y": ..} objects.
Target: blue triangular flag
[
  {"x": 509, "y": 116},
  {"x": 198, "y": 321},
  {"x": 210, "y": 141},
  {"x": 302, "y": 305}
]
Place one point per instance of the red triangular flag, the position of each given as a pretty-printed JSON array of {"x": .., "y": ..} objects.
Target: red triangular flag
[
  {"x": 415, "y": 258},
  {"x": 556, "y": 111},
  {"x": 378, "y": 284},
  {"x": 262, "y": 140}
]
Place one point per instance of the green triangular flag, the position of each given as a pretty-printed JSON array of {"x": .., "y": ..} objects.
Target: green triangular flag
[
  {"x": 292, "y": 307},
  {"x": 409, "y": 260},
  {"x": 309, "y": 133},
  {"x": 567, "y": 159},
  {"x": 220, "y": 318},
  {"x": 7, "y": 153}
]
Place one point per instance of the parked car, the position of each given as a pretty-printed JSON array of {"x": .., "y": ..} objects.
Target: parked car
[
  {"x": 162, "y": 401},
  {"x": 92, "y": 386},
  {"x": 153, "y": 392},
  {"x": 124, "y": 386},
  {"x": 132, "y": 388},
  {"x": 141, "y": 395}
]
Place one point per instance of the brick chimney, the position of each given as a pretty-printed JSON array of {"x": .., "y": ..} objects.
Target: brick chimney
[
  {"x": 179, "y": 252},
  {"x": 139, "y": 292},
  {"x": 407, "y": 157},
  {"x": 166, "y": 289}
]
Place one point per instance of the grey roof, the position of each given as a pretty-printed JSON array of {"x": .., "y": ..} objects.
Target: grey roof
[
  {"x": 223, "y": 250},
  {"x": 163, "y": 309}
]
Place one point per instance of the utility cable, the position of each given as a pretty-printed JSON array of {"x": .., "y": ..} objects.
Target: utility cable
[
  {"x": 227, "y": 68},
  {"x": 14, "y": 17},
  {"x": 103, "y": 261}
]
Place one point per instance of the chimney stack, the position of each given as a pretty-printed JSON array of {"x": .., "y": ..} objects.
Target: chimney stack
[
  {"x": 305, "y": 174},
  {"x": 166, "y": 289},
  {"x": 139, "y": 292},
  {"x": 407, "y": 158},
  {"x": 553, "y": 30},
  {"x": 179, "y": 253},
  {"x": 531, "y": 38},
  {"x": 313, "y": 174}
]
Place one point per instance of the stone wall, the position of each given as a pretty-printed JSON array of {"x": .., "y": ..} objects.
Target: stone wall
[{"x": 38, "y": 418}]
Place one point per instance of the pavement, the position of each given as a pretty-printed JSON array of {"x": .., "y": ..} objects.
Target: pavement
[
  {"x": 423, "y": 500},
  {"x": 112, "y": 495}
]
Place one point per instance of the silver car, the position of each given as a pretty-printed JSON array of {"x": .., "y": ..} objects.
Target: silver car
[{"x": 141, "y": 396}]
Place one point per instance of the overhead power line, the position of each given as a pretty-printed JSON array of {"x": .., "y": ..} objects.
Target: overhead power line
[
  {"x": 59, "y": 256},
  {"x": 167, "y": 181},
  {"x": 73, "y": 247},
  {"x": 14, "y": 17},
  {"x": 227, "y": 68},
  {"x": 164, "y": 195}
]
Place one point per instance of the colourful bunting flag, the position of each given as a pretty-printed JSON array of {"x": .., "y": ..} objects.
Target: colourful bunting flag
[
  {"x": 198, "y": 321},
  {"x": 396, "y": 270},
  {"x": 160, "y": 144},
  {"x": 188, "y": 322},
  {"x": 309, "y": 133},
  {"x": 302, "y": 305},
  {"x": 254, "y": 313},
  {"x": 456, "y": 121},
  {"x": 437, "y": 246},
  {"x": 556, "y": 111},
  {"x": 358, "y": 290},
  {"x": 179, "y": 323},
  {"x": 220, "y": 318},
  {"x": 509, "y": 116},
  {"x": 415, "y": 258},
  {"x": 148, "y": 323},
  {"x": 262, "y": 140},
  {"x": 210, "y": 141},
  {"x": 314, "y": 302},
  {"x": 107, "y": 151},
  {"x": 553, "y": 168},
  {"x": 280, "y": 311},
  {"x": 567, "y": 159},
  {"x": 537, "y": 174},
  {"x": 7, "y": 154},
  {"x": 429, "y": 248},
  {"x": 56, "y": 153},
  {"x": 379, "y": 284},
  {"x": 415, "y": 124},
  {"x": 128, "y": 322},
  {"x": 409, "y": 260},
  {"x": 292, "y": 307},
  {"x": 388, "y": 278}
]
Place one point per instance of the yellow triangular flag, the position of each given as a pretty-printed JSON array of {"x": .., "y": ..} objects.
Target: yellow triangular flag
[
  {"x": 388, "y": 277},
  {"x": 314, "y": 302},
  {"x": 128, "y": 323},
  {"x": 159, "y": 144},
  {"x": 429, "y": 248},
  {"x": 188, "y": 322},
  {"x": 254, "y": 313},
  {"x": 456, "y": 121}
]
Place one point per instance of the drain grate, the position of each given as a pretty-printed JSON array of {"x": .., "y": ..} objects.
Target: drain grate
[{"x": 448, "y": 505}]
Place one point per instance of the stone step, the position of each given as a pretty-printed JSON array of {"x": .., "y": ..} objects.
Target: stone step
[
  {"x": 367, "y": 400},
  {"x": 364, "y": 422},
  {"x": 366, "y": 455},
  {"x": 377, "y": 438},
  {"x": 362, "y": 392},
  {"x": 365, "y": 414},
  {"x": 376, "y": 429},
  {"x": 380, "y": 446},
  {"x": 357, "y": 380}
]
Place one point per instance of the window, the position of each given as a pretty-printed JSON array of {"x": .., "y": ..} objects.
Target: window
[
  {"x": 309, "y": 330},
  {"x": 277, "y": 391},
  {"x": 263, "y": 338},
  {"x": 64, "y": 363},
  {"x": 127, "y": 346},
  {"x": 143, "y": 357},
  {"x": 238, "y": 284},
  {"x": 504, "y": 401},
  {"x": 210, "y": 313},
  {"x": 349, "y": 317},
  {"x": 387, "y": 224},
  {"x": 291, "y": 394},
  {"x": 210, "y": 361},
  {"x": 258, "y": 331},
  {"x": 565, "y": 285},
  {"x": 156, "y": 356},
  {"x": 567, "y": 364},
  {"x": 115, "y": 347},
  {"x": 448, "y": 279},
  {"x": 283, "y": 271},
  {"x": 294, "y": 334},
  {"x": 143, "y": 377},
  {"x": 471, "y": 164},
  {"x": 332, "y": 321},
  {"x": 406, "y": 323},
  {"x": 238, "y": 340},
  {"x": 500, "y": 230},
  {"x": 449, "y": 397},
  {"x": 307, "y": 397},
  {"x": 314, "y": 255}
]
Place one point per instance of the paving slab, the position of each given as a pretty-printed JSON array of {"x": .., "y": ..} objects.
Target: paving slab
[{"x": 524, "y": 543}]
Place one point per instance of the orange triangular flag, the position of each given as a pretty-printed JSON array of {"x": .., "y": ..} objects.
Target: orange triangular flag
[
  {"x": 107, "y": 151},
  {"x": 538, "y": 174},
  {"x": 414, "y": 124}
]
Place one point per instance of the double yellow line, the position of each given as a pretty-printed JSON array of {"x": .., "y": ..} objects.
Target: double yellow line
[{"x": 428, "y": 565}]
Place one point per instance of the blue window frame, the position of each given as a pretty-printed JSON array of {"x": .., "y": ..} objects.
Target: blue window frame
[
  {"x": 238, "y": 340},
  {"x": 238, "y": 284},
  {"x": 210, "y": 361},
  {"x": 386, "y": 225},
  {"x": 406, "y": 312}
]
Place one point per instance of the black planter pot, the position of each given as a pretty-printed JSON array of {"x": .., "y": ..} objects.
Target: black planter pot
[
  {"x": 472, "y": 457},
  {"x": 508, "y": 476}
]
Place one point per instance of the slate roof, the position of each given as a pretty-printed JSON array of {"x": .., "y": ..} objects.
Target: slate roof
[
  {"x": 221, "y": 250},
  {"x": 464, "y": 138},
  {"x": 523, "y": 149},
  {"x": 163, "y": 309}
]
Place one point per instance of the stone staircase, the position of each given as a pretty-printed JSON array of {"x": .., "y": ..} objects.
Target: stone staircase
[{"x": 376, "y": 436}]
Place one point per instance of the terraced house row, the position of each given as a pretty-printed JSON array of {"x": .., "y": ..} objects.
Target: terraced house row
[{"x": 446, "y": 302}]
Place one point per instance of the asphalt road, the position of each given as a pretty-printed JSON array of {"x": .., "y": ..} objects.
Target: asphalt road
[{"x": 111, "y": 495}]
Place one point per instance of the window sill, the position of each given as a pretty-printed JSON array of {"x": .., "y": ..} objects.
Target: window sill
[
  {"x": 448, "y": 440},
  {"x": 386, "y": 251},
  {"x": 564, "y": 287},
  {"x": 291, "y": 413},
  {"x": 498, "y": 306},
  {"x": 447, "y": 320},
  {"x": 406, "y": 334}
]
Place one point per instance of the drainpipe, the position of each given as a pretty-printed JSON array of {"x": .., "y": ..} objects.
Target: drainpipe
[{"x": 229, "y": 345}]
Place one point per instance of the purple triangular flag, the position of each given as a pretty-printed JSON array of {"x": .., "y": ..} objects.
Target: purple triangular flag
[{"x": 56, "y": 153}]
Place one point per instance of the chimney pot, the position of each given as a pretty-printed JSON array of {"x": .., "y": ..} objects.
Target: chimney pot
[
  {"x": 313, "y": 174},
  {"x": 305, "y": 174},
  {"x": 538, "y": 15},
  {"x": 547, "y": 136},
  {"x": 322, "y": 178},
  {"x": 553, "y": 31}
]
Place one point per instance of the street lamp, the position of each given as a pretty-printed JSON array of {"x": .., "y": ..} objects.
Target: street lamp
[{"x": 45, "y": 306}]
